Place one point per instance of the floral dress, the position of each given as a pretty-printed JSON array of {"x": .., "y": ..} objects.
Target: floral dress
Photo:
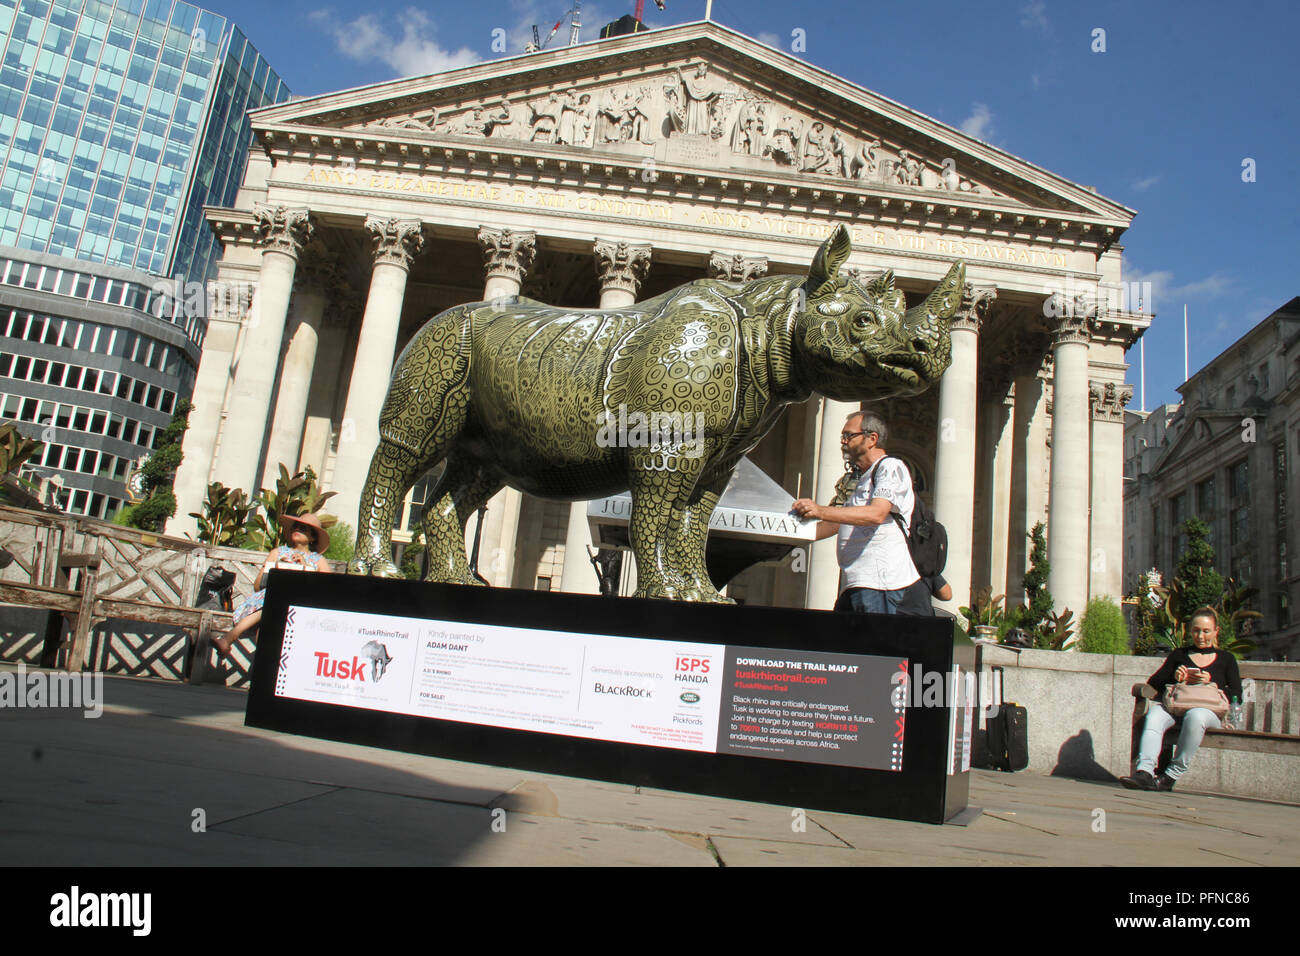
[{"x": 255, "y": 600}]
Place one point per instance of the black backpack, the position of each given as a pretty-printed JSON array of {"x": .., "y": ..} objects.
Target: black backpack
[{"x": 928, "y": 540}]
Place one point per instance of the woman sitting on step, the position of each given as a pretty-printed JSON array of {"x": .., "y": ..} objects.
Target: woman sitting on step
[{"x": 305, "y": 552}]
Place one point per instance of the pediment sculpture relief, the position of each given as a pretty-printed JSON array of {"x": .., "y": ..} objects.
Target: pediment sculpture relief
[{"x": 693, "y": 103}]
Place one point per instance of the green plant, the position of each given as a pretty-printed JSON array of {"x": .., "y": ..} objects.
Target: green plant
[
  {"x": 412, "y": 557},
  {"x": 1040, "y": 599},
  {"x": 1056, "y": 631},
  {"x": 1236, "y": 619},
  {"x": 1102, "y": 630},
  {"x": 1145, "y": 612},
  {"x": 15, "y": 448},
  {"x": 1011, "y": 619},
  {"x": 294, "y": 495},
  {"x": 1202, "y": 586},
  {"x": 157, "y": 500},
  {"x": 225, "y": 513},
  {"x": 987, "y": 609}
]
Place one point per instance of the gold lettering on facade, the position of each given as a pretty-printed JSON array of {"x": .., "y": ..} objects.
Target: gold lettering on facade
[{"x": 665, "y": 212}]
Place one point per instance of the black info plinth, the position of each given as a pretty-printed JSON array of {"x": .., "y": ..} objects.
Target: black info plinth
[{"x": 866, "y": 714}]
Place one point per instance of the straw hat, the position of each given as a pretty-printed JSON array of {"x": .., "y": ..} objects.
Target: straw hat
[{"x": 321, "y": 536}]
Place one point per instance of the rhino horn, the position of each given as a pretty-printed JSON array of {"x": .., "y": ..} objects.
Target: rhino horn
[
  {"x": 942, "y": 301},
  {"x": 834, "y": 252}
]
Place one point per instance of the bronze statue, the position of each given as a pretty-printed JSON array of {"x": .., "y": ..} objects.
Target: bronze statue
[{"x": 662, "y": 397}]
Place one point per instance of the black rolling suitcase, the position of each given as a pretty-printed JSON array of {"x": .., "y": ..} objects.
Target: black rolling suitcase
[{"x": 1009, "y": 737}]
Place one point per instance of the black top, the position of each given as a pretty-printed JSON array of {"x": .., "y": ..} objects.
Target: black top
[{"x": 1223, "y": 671}]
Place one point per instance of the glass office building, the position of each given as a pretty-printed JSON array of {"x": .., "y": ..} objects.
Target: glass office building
[{"x": 118, "y": 123}]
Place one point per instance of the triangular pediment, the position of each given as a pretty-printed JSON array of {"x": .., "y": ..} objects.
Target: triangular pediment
[{"x": 702, "y": 98}]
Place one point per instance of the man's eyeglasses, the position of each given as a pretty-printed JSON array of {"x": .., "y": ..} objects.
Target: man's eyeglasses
[{"x": 849, "y": 436}]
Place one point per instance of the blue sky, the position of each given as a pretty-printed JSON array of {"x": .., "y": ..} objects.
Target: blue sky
[{"x": 1161, "y": 121}]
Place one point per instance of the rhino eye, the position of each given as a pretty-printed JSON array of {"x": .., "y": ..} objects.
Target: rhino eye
[
  {"x": 866, "y": 318},
  {"x": 834, "y": 307}
]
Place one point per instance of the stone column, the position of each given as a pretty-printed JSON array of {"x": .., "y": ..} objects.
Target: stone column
[
  {"x": 823, "y": 566},
  {"x": 308, "y": 306},
  {"x": 1067, "y": 509},
  {"x": 282, "y": 233},
  {"x": 621, "y": 268},
  {"x": 1028, "y": 473},
  {"x": 954, "y": 464},
  {"x": 397, "y": 243},
  {"x": 734, "y": 267},
  {"x": 998, "y": 497},
  {"x": 1106, "y": 562},
  {"x": 231, "y": 302},
  {"x": 508, "y": 256},
  {"x": 323, "y": 406}
]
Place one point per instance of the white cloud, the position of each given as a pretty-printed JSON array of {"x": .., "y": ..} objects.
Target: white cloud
[
  {"x": 412, "y": 53},
  {"x": 980, "y": 122},
  {"x": 1142, "y": 185},
  {"x": 771, "y": 39},
  {"x": 1034, "y": 15},
  {"x": 1208, "y": 287},
  {"x": 1034, "y": 79}
]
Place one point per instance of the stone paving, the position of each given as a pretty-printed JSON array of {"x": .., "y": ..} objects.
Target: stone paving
[{"x": 132, "y": 787}]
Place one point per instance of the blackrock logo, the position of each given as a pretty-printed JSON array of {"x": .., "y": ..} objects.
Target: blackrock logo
[{"x": 624, "y": 690}]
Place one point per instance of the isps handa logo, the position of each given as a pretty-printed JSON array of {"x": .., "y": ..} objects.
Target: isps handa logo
[
  {"x": 374, "y": 653},
  {"x": 692, "y": 670}
]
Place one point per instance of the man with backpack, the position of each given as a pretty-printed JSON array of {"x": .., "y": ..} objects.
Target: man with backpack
[{"x": 875, "y": 545}]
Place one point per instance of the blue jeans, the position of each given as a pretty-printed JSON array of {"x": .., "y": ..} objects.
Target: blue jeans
[
  {"x": 1158, "y": 720},
  {"x": 870, "y": 601}
]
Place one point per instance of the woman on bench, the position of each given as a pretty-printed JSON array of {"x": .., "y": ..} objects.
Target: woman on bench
[
  {"x": 308, "y": 542},
  {"x": 1200, "y": 663}
]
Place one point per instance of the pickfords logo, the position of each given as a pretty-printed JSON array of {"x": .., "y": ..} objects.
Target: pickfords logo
[{"x": 624, "y": 690}]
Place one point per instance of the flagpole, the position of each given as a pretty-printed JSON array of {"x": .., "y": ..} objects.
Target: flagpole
[
  {"x": 1142, "y": 360},
  {"x": 1186, "y": 374}
]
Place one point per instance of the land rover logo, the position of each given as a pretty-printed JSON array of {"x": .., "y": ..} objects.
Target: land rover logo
[{"x": 690, "y": 698}]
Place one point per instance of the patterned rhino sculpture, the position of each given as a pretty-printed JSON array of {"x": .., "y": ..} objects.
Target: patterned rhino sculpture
[{"x": 662, "y": 397}]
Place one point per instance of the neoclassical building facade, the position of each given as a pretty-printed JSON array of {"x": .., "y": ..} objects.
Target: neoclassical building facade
[{"x": 603, "y": 173}]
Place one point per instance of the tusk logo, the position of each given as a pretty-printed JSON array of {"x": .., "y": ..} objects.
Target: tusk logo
[{"x": 377, "y": 654}]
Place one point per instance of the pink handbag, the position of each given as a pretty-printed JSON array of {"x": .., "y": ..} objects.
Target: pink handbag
[{"x": 1180, "y": 698}]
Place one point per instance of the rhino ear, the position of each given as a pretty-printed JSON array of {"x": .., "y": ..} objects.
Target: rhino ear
[
  {"x": 834, "y": 252},
  {"x": 882, "y": 286},
  {"x": 943, "y": 300}
]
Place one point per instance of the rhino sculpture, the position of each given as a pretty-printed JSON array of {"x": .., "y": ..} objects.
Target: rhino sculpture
[{"x": 516, "y": 392}]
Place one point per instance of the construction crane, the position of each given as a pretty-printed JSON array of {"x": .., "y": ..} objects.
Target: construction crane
[
  {"x": 575, "y": 28},
  {"x": 640, "y": 8}
]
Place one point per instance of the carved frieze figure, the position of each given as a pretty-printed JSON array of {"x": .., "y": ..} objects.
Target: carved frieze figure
[
  {"x": 784, "y": 147},
  {"x": 864, "y": 165},
  {"x": 748, "y": 132},
  {"x": 472, "y": 123},
  {"x": 504, "y": 123},
  {"x": 907, "y": 172},
  {"x": 675, "y": 120},
  {"x": 700, "y": 95},
  {"x": 816, "y": 154},
  {"x": 546, "y": 117},
  {"x": 636, "y": 121},
  {"x": 522, "y": 393},
  {"x": 839, "y": 155},
  {"x": 566, "y": 131},
  {"x": 585, "y": 121},
  {"x": 609, "y": 119}
]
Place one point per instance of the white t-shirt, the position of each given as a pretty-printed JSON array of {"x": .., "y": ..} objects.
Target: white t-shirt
[{"x": 876, "y": 556}]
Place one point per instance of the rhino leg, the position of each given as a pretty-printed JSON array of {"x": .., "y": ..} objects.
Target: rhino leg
[
  {"x": 462, "y": 490},
  {"x": 659, "y": 503},
  {"x": 688, "y": 547},
  {"x": 424, "y": 411}
]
